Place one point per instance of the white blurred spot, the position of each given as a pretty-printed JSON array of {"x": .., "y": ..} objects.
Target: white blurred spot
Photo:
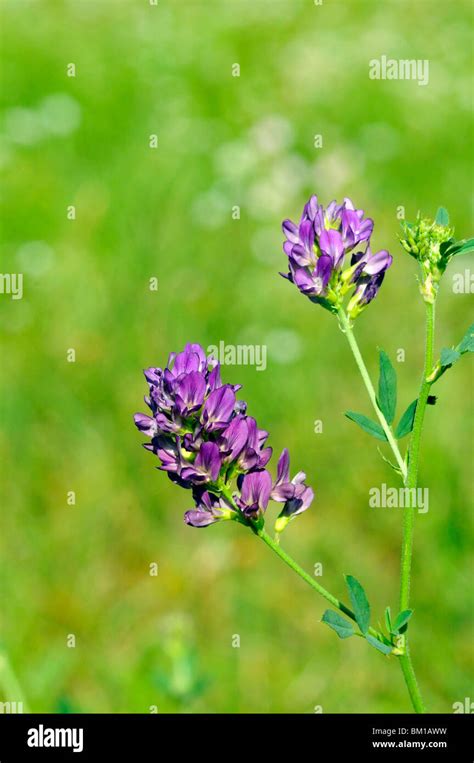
[
  {"x": 235, "y": 159},
  {"x": 272, "y": 134},
  {"x": 210, "y": 209},
  {"x": 284, "y": 346},
  {"x": 35, "y": 258},
  {"x": 270, "y": 195},
  {"x": 23, "y": 126},
  {"x": 337, "y": 169},
  {"x": 60, "y": 114},
  {"x": 264, "y": 199}
]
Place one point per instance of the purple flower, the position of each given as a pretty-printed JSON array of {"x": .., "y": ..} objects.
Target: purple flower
[
  {"x": 370, "y": 264},
  {"x": 313, "y": 282},
  {"x": 209, "y": 509},
  {"x": 286, "y": 491},
  {"x": 206, "y": 442},
  {"x": 218, "y": 408},
  {"x": 168, "y": 451},
  {"x": 331, "y": 244},
  {"x": 189, "y": 391},
  {"x": 193, "y": 358},
  {"x": 366, "y": 291},
  {"x": 300, "y": 241},
  {"x": 234, "y": 438},
  {"x": 354, "y": 227},
  {"x": 296, "y": 496},
  {"x": 301, "y": 501},
  {"x": 253, "y": 454},
  {"x": 206, "y": 466},
  {"x": 146, "y": 424},
  {"x": 283, "y": 489},
  {"x": 319, "y": 248},
  {"x": 255, "y": 489}
]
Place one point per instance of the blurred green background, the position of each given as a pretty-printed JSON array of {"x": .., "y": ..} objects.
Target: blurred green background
[{"x": 83, "y": 569}]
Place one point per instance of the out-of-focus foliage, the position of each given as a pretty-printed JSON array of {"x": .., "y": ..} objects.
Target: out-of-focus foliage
[{"x": 83, "y": 568}]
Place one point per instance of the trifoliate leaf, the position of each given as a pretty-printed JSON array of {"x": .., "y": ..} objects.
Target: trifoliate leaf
[
  {"x": 369, "y": 426},
  {"x": 405, "y": 425},
  {"x": 387, "y": 397},
  {"x": 359, "y": 602},
  {"x": 343, "y": 627}
]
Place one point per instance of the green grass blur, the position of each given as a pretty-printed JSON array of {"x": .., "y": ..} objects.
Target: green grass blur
[{"x": 83, "y": 569}]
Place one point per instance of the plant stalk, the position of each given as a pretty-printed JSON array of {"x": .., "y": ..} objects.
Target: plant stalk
[
  {"x": 275, "y": 546},
  {"x": 409, "y": 513},
  {"x": 308, "y": 579},
  {"x": 409, "y": 475},
  {"x": 345, "y": 323},
  {"x": 413, "y": 460}
]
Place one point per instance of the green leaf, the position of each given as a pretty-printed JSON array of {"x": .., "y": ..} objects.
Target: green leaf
[
  {"x": 448, "y": 248},
  {"x": 384, "y": 648},
  {"x": 387, "y": 398},
  {"x": 442, "y": 216},
  {"x": 461, "y": 247},
  {"x": 405, "y": 425},
  {"x": 343, "y": 627},
  {"x": 388, "y": 619},
  {"x": 359, "y": 602},
  {"x": 367, "y": 425},
  {"x": 467, "y": 342},
  {"x": 401, "y": 620},
  {"x": 448, "y": 357}
]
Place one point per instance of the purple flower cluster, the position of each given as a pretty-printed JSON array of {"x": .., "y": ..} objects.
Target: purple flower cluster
[
  {"x": 329, "y": 253},
  {"x": 206, "y": 442}
]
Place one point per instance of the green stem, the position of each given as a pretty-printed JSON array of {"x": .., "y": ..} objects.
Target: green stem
[
  {"x": 308, "y": 579},
  {"x": 275, "y": 546},
  {"x": 10, "y": 684},
  {"x": 413, "y": 460},
  {"x": 409, "y": 475},
  {"x": 409, "y": 513},
  {"x": 411, "y": 682},
  {"x": 345, "y": 323}
]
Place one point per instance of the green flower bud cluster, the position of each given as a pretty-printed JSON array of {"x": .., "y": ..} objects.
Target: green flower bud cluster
[{"x": 431, "y": 243}]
